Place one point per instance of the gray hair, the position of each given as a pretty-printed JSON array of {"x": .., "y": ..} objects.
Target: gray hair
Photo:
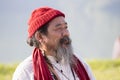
[{"x": 32, "y": 41}]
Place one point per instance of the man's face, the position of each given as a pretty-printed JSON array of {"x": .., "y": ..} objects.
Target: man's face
[{"x": 57, "y": 30}]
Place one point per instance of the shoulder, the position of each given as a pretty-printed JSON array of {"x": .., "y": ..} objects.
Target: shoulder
[
  {"x": 24, "y": 70},
  {"x": 87, "y": 67}
]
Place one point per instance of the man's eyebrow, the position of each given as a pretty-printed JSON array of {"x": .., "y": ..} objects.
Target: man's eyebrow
[{"x": 59, "y": 24}]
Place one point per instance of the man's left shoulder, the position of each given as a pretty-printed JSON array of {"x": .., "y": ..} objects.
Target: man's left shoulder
[{"x": 24, "y": 69}]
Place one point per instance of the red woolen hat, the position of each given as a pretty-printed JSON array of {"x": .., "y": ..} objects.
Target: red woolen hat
[{"x": 40, "y": 17}]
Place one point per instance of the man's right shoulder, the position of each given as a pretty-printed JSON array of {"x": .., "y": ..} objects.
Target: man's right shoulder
[{"x": 24, "y": 70}]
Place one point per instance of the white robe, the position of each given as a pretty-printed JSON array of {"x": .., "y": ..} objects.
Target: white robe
[{"x": 24, "y": 71}]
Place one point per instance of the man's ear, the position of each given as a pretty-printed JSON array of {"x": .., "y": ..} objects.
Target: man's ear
[{"x": 38, "y": 36}]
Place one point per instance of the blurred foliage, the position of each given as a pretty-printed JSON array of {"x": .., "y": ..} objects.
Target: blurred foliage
[
  {"x": 6, "y": 71},
  {"x": 105, "y": 69}
]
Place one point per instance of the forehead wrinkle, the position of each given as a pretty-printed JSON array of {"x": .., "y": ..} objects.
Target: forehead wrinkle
[{"x": 59, "y": 24}]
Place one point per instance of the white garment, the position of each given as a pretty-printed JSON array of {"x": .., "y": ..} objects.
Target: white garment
[
  {"x": 64, "y": 67},
  {"x": 24, "y": 71}
]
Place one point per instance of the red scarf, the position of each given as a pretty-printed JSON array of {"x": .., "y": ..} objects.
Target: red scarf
[{"x": 41, "y": 71}]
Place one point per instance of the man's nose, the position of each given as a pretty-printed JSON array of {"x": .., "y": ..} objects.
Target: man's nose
[{"x": 65, "y": 32}]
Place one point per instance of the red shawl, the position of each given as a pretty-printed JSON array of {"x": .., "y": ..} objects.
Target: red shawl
[{"x": 41, "y": 71}]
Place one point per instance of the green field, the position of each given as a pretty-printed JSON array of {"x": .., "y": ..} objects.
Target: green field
[
  {"x": 106, "y": 69},
  {"x": 102, "y": 69}
]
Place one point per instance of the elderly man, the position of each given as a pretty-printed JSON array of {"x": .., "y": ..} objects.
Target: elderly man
[{"x": 53, "y": 57}]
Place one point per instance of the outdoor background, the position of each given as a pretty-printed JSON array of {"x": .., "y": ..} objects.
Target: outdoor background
[{"x": 93, "y": 24}]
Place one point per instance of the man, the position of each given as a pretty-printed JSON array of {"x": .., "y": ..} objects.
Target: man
[{"x": 53, "y": 57}]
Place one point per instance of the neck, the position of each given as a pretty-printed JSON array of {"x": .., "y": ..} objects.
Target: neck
[{"x": 48, "y": 52}]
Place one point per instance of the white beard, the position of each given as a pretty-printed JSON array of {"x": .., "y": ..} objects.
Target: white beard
[{"x": 64, "y": 54}]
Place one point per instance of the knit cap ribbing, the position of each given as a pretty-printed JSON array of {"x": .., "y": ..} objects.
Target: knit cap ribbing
[{"x": 40, "y": 17}]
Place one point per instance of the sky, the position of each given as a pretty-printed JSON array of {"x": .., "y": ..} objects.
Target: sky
[{"x": 93, "y": 24}]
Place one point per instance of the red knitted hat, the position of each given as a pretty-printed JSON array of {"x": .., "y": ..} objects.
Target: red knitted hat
[{"x": 41, "y": 16}]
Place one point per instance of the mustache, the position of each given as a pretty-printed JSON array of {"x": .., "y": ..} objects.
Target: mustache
[{"x": 65, "y": 40}]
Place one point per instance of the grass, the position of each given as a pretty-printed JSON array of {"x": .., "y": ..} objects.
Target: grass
[
  {"x": 102, "y": 69},
  {"x": 106, "y": 69},
  {"x": 6, "y": 71}
]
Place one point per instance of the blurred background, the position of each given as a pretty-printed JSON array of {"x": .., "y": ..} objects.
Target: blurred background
[{"x": 93, "y": 24}]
